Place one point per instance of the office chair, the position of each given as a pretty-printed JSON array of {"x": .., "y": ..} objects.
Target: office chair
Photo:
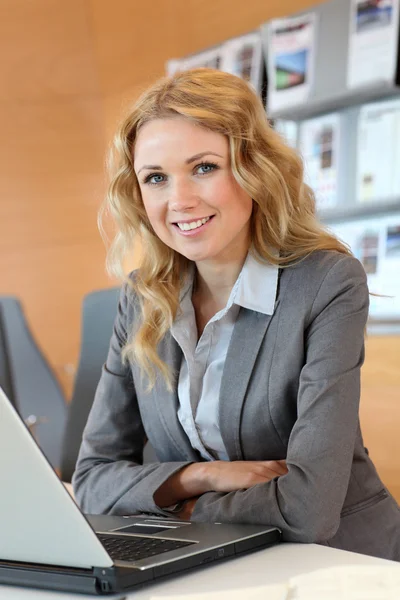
[
  {"x": 5, "y": 372},
  {"x": 99, "y": 309},
  {"x": 29, "y": 382}
]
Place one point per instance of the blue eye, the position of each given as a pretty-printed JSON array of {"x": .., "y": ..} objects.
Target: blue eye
[
  {"x": 206, "y": 168},
  {"x": 154, "y": 179},
  {"x": 203, "y": 168}
]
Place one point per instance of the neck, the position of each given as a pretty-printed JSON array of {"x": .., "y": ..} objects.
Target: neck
[{"x": 214, "y": 283}]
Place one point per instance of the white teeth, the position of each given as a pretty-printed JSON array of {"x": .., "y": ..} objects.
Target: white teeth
[{"x": 193, "y": 224}]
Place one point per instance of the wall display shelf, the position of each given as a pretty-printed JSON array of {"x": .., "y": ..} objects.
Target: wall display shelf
[
  {"x": 359, "y": 211},
  {"x": 337, "y": 101},
  {"x": 346, "y": 32},
  {"x": 383, "y": 327}
]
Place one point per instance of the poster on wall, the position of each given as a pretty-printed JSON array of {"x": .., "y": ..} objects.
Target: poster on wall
[
  {"x": 376, "y": 244},
  {"x": 319, "y": 145},
  {"x": 378, "y": 152},
  {"x": 208, "y": 58},
  {"x": 290, "y": 60},
  {"x": 243, "y": 56},
  {"x": 373, "y": 42}
]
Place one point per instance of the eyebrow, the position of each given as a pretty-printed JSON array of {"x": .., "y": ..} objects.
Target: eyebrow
[{"x": 187, "y": 161}]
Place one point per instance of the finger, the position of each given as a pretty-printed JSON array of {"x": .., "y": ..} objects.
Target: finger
[
  {"x": 272, "y": 474},
  {"x": 268, "y": 475},
  {"x": 275, "y": 466},
  {"x": 282, "y": 465}
]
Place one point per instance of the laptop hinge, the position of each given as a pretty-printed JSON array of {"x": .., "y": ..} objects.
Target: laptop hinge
[{"x": 118, "y": 579}]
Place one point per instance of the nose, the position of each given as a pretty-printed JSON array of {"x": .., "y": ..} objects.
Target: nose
[{"x": 183, "y": 197}]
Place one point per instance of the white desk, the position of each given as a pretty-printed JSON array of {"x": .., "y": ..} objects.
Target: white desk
[{"x": 274, "y": 565}]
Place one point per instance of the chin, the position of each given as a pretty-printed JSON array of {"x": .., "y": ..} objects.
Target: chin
[
  {"x": 195, "y": 257},
  {"x": 195, "y": 254}
]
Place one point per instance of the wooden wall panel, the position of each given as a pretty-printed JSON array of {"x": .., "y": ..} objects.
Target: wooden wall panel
[
  {"x": 380, "y": 407},
  {"x": 46, "y": 50},
  {"x": 51, "y": 170},
  {"x": 51, "y": 281},
  {"x": 380, "y": 418}
]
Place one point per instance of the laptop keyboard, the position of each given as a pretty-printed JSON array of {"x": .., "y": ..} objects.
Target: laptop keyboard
[{"x": 135, "y": 548}]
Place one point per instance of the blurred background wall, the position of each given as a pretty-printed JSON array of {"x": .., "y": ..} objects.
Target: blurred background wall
[{"x": 67, "y": 70}]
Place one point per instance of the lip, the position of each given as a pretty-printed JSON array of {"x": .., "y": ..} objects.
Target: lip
[{"x": 193, "y": 232}]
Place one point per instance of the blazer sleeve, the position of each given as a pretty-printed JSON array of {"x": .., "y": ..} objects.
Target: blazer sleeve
[
  {"x": 110, "y": 477},
  {"x": 306, "y": 502}
]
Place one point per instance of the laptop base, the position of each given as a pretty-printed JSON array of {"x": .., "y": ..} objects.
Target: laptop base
[{"x": 103, "y": 581}]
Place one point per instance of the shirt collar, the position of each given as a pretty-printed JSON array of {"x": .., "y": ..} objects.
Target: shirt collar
[{"x": 256, "y": 287}]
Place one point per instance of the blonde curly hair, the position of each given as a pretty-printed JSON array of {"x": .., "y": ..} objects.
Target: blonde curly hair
[{"x": 284, "y": 227}]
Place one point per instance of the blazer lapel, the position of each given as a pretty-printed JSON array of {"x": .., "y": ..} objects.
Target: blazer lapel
[
  {"x": 247, "y": 336},
  {"x": 167, "y": 403}
]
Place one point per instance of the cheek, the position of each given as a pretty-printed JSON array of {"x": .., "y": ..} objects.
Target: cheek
[
  {"x": 244, "y": 202},
  {"x": 235, "y": 197},
  {"x": 156, "y": 214},
  {"x": 249, "y": 206},
  {"x": 154, "y": 210},
  {"x": 238, "y": 203}
]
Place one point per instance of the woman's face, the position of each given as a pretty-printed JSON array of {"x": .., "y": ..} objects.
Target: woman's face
[{"x": 190, "y": 195}]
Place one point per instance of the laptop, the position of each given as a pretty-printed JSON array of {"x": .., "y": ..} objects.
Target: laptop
[{"x": 46, "y": 541}]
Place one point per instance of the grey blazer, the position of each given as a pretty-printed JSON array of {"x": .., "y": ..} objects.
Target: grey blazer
[{"x": 290, "y": 390}]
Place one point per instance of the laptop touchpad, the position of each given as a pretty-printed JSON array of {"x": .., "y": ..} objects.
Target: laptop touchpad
[{"x": 144, "y": 529}]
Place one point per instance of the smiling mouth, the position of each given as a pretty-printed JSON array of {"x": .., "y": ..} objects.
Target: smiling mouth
[{"x": 189, "y": 226}]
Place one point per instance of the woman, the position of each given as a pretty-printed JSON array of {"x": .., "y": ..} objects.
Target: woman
[{"x": 238, "y": 344}]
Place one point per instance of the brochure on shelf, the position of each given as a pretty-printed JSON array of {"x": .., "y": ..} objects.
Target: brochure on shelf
[
  {"x": 373, "y": 42},
  {"x": 378, "y": 152},
  {"x": 319, "y": 145},
  {"x": 288, "y": 130},
  {"x": 243, "y": 56},
  {"x": 376, "y": 243},
  {"x": 290, "y": 60}
]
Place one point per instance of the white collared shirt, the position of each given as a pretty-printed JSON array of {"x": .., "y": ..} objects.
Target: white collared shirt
[{"x": 203, "y": 360}]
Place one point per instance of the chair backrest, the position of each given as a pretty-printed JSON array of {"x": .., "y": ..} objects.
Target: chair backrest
[
  {"x": 99, "y": 309},
  {"x": 29, "y": 382},
  {"x": 5, "y": 372}
]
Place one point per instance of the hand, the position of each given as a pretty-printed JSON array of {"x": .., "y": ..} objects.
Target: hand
[
  {"x": 217, "y": 476},
  {"x": 224, "y": 476},
  {"x": 186, "y": 513}
]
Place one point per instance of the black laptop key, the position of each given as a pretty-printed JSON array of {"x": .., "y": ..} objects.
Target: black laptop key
[{"x": 131, "y": 548}]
